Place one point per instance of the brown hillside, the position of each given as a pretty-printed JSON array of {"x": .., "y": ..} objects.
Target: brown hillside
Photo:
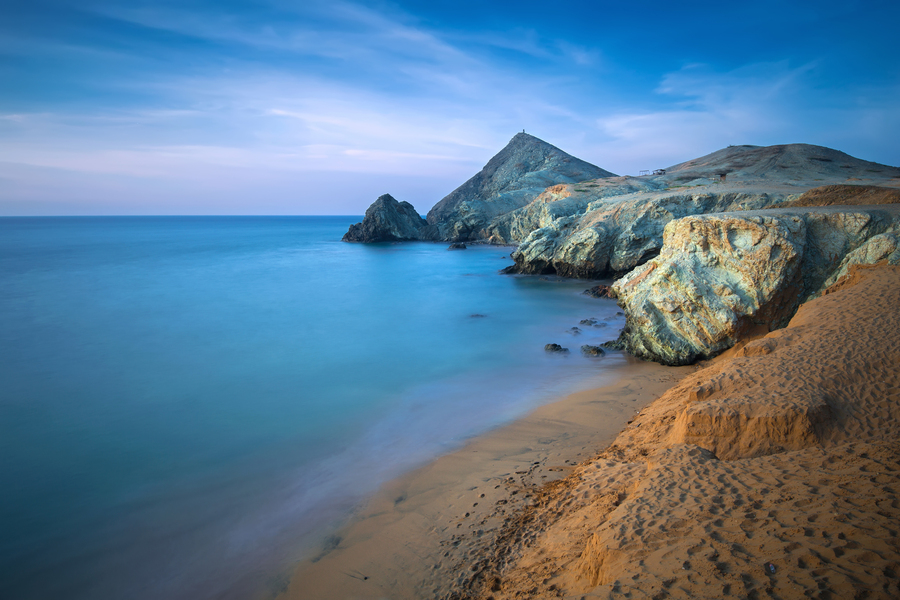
[{"x": 847, "y": 195}]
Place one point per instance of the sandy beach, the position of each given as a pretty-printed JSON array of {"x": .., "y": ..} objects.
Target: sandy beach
[
  {"x": 771, "y": 471},
  {"x": 425, "y": 530}
]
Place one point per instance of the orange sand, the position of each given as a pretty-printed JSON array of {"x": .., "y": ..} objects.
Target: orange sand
[{"x": 772, "y": 472}]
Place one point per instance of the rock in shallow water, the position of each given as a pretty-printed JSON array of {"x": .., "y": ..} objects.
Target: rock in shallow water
[
  {"x": 589, "y": 350},
  {"x": 555, "y": 348},
  {"x": 600, "y": 291},
  {"x": 387, "y": 220}
]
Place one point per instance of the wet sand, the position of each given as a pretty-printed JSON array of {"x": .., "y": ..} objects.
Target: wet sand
[{"x": 413, "y": 537}]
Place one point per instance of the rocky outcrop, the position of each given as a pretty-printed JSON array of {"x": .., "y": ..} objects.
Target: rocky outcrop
[
  {"x": 510, "y": 180},
  {"x": 882, "y": 248},
  {"x": 617, "y": 234},
  {"x": 719, "y": 276},
  {"x": 387, "y": 220},
  {"x": 609, "y": 226}
]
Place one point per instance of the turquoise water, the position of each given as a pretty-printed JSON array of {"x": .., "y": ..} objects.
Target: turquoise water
[{"x": 189, "y": 404}]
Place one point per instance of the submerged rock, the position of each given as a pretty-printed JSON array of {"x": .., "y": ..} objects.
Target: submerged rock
[
  {"x": 555, "y": 348},
  {"x": 456, "y": 246},
  {"x": 387, "y": 220},
  {"x": 589, "y": 350}
]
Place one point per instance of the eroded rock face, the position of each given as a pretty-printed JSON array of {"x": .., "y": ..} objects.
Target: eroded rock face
[
  {"x": 510, "y": 180},
  {"x": 715, "y": 278},
  {"x": 615, "y": 235},
  {"x": 884, "y": 247},
  {"x": 720, "y": 275},
  {"x": 387, "y": 220}
]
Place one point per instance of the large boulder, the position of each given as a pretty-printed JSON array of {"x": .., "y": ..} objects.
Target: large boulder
[
  {"x": 715, "y": 278},
  {"x": 719, "y": 276},
  {"x": 387, "y": 220},
  {"x": 511, "y": 179}
]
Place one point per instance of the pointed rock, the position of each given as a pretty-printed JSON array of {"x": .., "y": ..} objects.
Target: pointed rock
[
  {"x": 387, "y": 220},
  {"x": 510, "y": 180}
]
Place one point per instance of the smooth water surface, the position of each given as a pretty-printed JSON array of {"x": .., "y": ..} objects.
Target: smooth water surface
[{"x": 188, "y": 404}]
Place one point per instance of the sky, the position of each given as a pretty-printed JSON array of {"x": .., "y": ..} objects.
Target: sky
[{"x": 309, "y": 107}]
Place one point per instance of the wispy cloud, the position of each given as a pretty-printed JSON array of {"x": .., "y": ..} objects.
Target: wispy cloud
[{"x": 199, "y": 98}]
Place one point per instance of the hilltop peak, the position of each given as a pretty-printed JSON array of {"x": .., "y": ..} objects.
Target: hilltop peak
[{"x": 516, "y": 175}]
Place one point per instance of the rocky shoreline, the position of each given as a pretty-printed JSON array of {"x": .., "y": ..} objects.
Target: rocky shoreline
[
  {"x": 704, "y": 251},
  {"x": 772, "y": 469}
]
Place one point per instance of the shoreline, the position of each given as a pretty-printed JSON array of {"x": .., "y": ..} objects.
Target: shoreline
[
  {"x": 769, "y": 471},
  {"x": 408, "y": 538}
]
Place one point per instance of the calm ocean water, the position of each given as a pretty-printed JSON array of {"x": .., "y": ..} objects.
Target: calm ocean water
[{"x": 189, "y": 404}]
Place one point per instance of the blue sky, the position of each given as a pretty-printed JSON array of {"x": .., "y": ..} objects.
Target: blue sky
[{"x": 286, "y": 107}]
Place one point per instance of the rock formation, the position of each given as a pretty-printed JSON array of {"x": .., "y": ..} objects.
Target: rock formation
[
  {"x": 589, "y": 350},
  {"x": 387, "y": 220},
  {"x": 615, "y": 235},
  {"x": 510, "y": 180},
  {"x": 607, "y": 227},
  {"x": 555, "y": 348},
  {"x": 719, "y": 276}
]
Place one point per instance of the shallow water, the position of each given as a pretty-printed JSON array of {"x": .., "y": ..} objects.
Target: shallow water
[{"x": 189, "y": 404}]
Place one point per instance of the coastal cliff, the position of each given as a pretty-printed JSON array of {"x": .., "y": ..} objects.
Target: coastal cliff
[{"x": 768, "y": 473}]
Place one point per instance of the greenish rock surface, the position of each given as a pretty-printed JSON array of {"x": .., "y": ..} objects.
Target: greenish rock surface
[{"x": 719, "y": 276}]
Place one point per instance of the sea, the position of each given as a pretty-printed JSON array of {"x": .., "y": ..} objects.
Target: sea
[{"x": 190, "y": 405}]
